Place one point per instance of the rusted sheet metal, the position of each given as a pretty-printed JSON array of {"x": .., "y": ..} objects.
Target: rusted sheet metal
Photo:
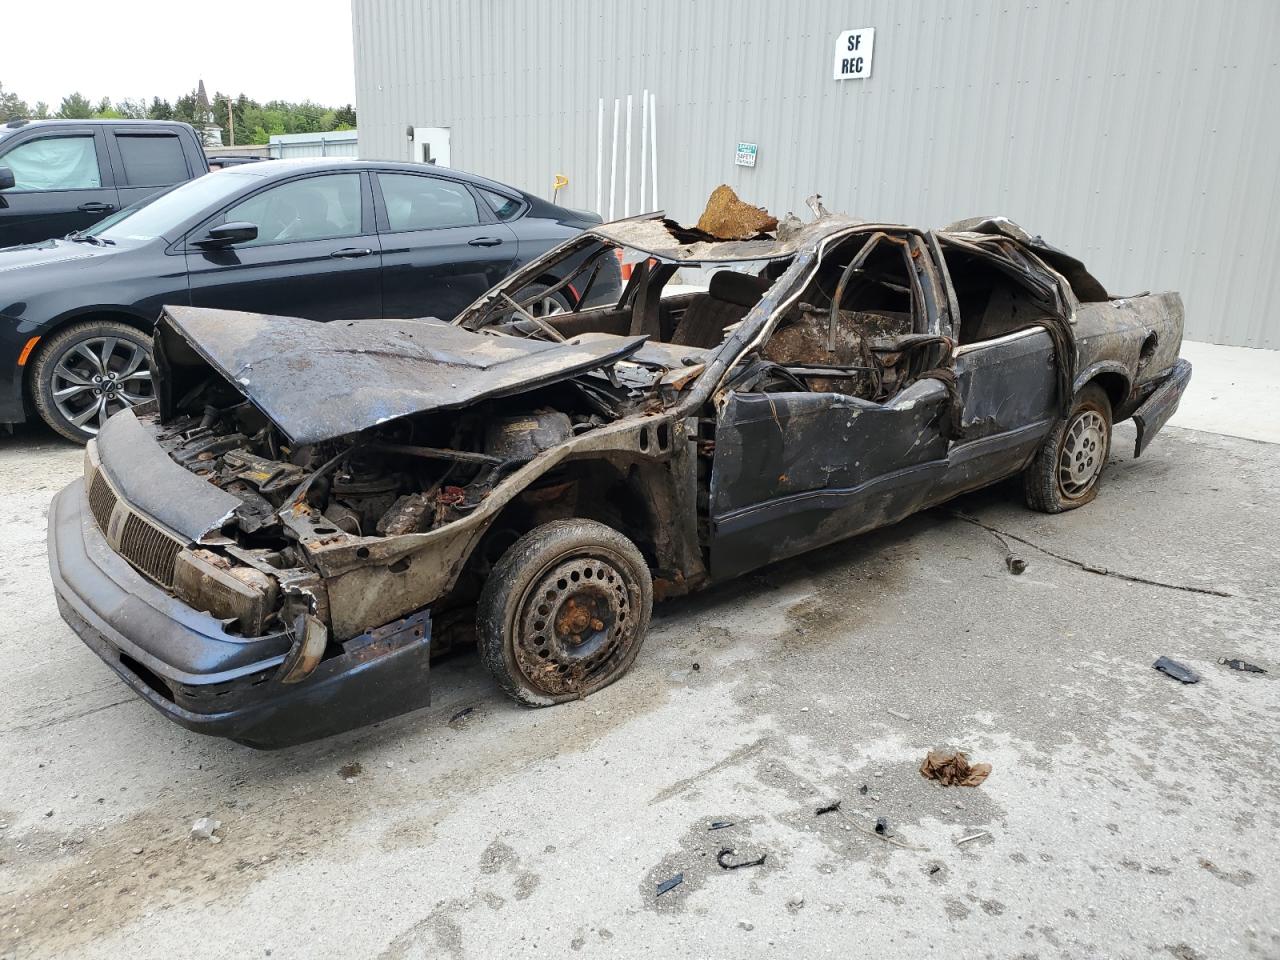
[
  {"x": 317, "y": 381},
  {"x": 1086, "y": 287},
  {"x": 667, "y": 240}
]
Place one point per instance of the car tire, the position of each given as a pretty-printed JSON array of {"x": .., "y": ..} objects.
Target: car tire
[
  {"x": 564, "y": 612},
  {"x": 547, "y": 304},
  {"x": 63, "y": 388},
  {"x": 1067, "y": 469}
]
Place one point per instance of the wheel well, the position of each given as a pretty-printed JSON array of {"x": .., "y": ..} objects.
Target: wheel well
[
  {"x": 600, "y": 490},
  {"x": 114, "y": 316},
  {"x": 1115, "y": 386}
]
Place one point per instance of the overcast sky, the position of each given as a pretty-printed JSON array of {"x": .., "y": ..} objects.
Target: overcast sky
[{"x": 269, "y": 49}]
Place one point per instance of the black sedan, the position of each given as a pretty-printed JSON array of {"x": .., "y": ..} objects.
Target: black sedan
[{"x": 319, "y": 239}]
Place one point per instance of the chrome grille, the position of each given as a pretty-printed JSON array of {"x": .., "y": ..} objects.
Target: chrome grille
[
  {"x": 149, "y": 549},
  {"x": 102, "y": 500}
]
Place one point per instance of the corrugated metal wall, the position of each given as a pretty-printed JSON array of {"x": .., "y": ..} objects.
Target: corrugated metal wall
[{"x": 1142, "y": 136}]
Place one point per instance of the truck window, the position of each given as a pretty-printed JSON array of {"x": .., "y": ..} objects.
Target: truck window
[
  {"x": 152, "y": 160},
  {"x": 55, "y": 163}
]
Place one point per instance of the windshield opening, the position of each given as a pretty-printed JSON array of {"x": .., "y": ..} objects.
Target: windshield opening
[{"x": 598, "y": 285}]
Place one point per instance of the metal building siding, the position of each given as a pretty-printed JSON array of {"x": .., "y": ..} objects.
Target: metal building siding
[{"x": 1142, "y": 136}]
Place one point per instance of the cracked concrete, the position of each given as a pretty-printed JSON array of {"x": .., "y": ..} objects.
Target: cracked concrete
[{"x": 1126, "y": 815}]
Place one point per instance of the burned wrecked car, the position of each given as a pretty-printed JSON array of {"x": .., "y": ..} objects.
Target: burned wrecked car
[{"x": 275, "y": 548}]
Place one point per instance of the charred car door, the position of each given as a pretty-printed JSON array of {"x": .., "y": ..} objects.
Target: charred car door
[
  {"x": 806, "y": 452},
  {"x": 1007, "y": 365}
]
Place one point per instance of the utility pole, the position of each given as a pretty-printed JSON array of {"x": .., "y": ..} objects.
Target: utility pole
[{"x": 231, "y": 121}]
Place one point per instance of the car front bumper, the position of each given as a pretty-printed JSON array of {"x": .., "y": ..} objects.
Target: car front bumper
[{"x": 188, "y": 667}]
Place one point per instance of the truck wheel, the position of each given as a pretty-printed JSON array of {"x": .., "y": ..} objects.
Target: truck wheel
[
  {"x": 89, "y": 371},
  {"x": 564, "y": 612},
  {"x": 1068, "y": 467}
]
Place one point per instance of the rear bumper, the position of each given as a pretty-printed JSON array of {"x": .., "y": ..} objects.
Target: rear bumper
[
  {"x": 181, "y": 661},
  {"x": 1156, "y": 410}
]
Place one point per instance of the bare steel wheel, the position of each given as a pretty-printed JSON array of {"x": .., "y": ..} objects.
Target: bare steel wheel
[
  {"x": 564, "y": 611},
  {"x": 88, "y": 372},
  {"x": 1067, "y": 469},
  {"x": 1084, "y": 444}
]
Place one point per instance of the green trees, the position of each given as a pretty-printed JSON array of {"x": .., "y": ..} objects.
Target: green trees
[{"x": 255, "y": 122}]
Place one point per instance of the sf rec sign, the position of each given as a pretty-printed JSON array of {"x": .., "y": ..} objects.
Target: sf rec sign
[{"x": 853, "y": 53}]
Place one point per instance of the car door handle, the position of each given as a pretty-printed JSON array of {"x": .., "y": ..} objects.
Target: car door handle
[
  {"x": 350, "y": 253},
  {"x": 95, "y": 207},
  {"x": 485, "y": 242}
]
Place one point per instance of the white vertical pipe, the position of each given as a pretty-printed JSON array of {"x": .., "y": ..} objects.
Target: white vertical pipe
[
  {"x": 653, "y": 147},
  {"x": 626, "y": 179},
  {"x": 600, "y": 158},
  {"x": 613, "y": 164},
  {"x": 644, "y": 147}
]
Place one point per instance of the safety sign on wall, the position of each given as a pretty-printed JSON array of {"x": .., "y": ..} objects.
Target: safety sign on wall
[
  {"x": 853, "y": 53},
  {"x": 746, "y": 155}
]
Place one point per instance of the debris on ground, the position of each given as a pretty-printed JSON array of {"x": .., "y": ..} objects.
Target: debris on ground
[
  {"x": 900, "y": 716},
  {"x": 795, "y": 901},
  {"x": 670, "y": 884},
  {"x": 829, "y": 808},
  {"x": 882, "y": 827},
  {"x": 863, "y": 790},
  {"x": 728, "y": 218},
  {"x": 720, "y": 824},
  {"x": 1016, "y": 564},
  {"x": 203, "y": 829},
  {"x": 1179, "y": 671},
  {"x": 349, "y": 771},
  {"x": 461, "y": 715},
  {"x": 726, "y": 852},
  {"x": 953, "y": 769},
  {"x": 746, "y": 925},
  {"x": 973, "y": 836},
  {"x": 1242, "y": 665}
]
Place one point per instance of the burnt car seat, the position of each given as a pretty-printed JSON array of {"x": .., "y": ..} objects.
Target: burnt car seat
[{"x": 730, "y": 295}]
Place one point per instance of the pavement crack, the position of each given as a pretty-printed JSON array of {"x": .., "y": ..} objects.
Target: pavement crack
[{"x": 1080, "y": 564}]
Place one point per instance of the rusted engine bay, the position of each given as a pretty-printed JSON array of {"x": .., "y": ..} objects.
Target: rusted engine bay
[{"x": 302, "y": 506}]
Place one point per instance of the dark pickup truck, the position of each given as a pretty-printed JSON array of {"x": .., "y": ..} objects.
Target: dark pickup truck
[{"x": 57, "y": 176}]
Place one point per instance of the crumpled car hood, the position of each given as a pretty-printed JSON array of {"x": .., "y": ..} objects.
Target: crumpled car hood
[{"x": 317, "y": 381}]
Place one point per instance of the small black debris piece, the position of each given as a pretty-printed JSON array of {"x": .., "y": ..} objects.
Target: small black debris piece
[
  {"x": 670, "y": 884},
  {"x": 464, "y": 712},
  {"x": 720, "y": 824},
  {"x": 1242, "y": 665},
  {"x": 829, "y": 808},
  {"x": 728, "y": 852},
  {"x": 863, "y": 789},
  {"x": 1179, "y": 671},
  {"x": 696, "y": 666},
  {"x": 882, "y": 827},
  {"x": 1015, "y": 563}
]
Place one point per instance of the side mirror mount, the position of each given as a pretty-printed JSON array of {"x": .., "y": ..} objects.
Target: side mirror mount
[
  {"x": 6, "y": 178},
  {"x": 228, "y": 234}
]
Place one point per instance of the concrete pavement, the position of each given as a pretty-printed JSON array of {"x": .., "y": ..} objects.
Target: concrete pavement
[{"x": 1128, "y": 815}]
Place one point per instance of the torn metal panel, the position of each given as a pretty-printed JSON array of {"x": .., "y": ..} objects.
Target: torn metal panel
[
  {"x": 1086, "y": 287},
  {"x": 357, "y": 374},
  {"x": 667, "y": 240}
]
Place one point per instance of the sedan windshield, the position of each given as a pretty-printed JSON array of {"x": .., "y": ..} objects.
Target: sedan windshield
[{"x": 163, "y": 215}]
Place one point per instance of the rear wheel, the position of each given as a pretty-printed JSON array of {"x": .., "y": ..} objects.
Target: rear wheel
[
  {"x": 1068, "y": 468},
  {"x": 547, "y": 304},
  {"x": 89, "y": 371},
  {"x": 564, "y": 612}
]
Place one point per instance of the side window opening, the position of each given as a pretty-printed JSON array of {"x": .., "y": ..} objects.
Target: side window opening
[
  {"x": 992, "y": 298},
  {"x": 152, "y": 160},
  {"x": 829, "y": 346},
  {"x": 503, "y": 207}
]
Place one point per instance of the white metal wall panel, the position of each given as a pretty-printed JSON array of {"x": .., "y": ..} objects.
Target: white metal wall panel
[{"x": 1143, "y": 136}]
